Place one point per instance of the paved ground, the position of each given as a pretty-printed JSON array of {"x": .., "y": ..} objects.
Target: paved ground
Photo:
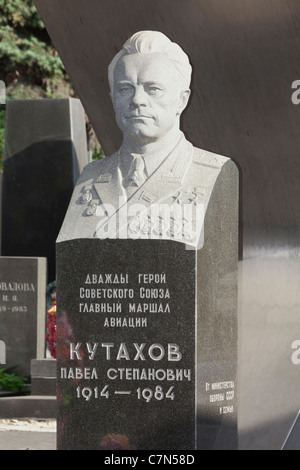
[{"x": 27, "y": 434}]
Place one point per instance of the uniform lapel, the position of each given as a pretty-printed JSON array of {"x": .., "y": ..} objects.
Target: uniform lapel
[
  {"x": 165, "y": 181},
  {"x": 108, "y": 184},
  {"x": 167, "y": 178}
]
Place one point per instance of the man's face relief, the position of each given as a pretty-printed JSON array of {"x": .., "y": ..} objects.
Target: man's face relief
[{"x": 148, "y": 96}]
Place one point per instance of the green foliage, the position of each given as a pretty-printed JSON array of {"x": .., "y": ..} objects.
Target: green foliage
[
  {"x": 12, "y": 382},
  {"x": 20, "y": 13},
  {"x": 98, "y": 153},
  {"x": 27, "y": 56}
]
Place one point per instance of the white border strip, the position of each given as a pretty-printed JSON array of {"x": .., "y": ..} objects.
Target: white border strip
[{"x": 292, "y": 427}]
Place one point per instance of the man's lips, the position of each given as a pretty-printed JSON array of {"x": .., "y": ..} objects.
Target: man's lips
[{"x": 142, "y": 116}]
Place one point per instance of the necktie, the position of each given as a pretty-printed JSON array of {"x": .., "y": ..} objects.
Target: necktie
[{"x": 137, "y": 176}]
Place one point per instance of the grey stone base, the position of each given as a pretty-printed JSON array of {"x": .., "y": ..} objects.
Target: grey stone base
[
  {"x": 32, "y": 406},
  {"x": 43, "y": 377}
]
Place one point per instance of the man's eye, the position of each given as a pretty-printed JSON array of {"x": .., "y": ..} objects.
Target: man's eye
[
  {"x": 153, "y": 90},
  {"x": 125, "y": 89}
]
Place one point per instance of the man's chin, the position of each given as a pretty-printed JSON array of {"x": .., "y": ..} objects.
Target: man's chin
[{"x": 141, "y": 133}]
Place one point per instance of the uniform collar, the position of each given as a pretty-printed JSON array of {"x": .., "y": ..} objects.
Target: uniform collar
[{"x": 152, "y": 159}]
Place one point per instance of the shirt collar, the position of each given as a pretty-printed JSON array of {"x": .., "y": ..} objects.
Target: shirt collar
[{"x": 152, "y": 160}]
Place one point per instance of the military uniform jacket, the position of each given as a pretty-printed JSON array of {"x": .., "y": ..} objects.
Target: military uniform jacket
[{"x": 170, "y": 204}]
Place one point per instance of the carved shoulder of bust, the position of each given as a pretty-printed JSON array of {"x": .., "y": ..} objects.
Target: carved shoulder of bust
[
  {"x": 96, "y": 169},
  {"x": 210, "y": 159}
]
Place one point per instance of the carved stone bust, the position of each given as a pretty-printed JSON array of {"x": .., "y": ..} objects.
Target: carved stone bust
[{"x": 157, "y": 185}]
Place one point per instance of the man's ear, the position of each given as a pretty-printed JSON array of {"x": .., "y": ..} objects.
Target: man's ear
[{"x": 183, "y": 100}]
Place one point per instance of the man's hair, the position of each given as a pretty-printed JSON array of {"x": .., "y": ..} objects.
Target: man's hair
[{"x": 147, "y": 42}]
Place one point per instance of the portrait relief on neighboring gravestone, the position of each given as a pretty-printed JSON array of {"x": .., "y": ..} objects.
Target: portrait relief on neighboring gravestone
[
  {"x": 157, "y": 185},
  {"x": 147, "y": 275}
]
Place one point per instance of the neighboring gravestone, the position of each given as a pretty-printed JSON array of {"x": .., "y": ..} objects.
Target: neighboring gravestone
[
  {"x": 45, "y": 151},
  {"x": 22, "y": 311},
  {"x": 147, "y": 276}
]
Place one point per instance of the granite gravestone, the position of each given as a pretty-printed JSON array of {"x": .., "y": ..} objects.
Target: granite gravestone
[
  {"x": 22, "y": 311},
  {"x": 45, "y": 151},
  {"x": 147, "y": 276}
]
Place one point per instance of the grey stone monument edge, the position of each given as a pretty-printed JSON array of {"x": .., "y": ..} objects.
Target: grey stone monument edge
[
  {"x": 218, "y": 307},
  {"x": 37, "y": 140},
  {"x": 2, "y": 352},
  {"x": 73, "y": 109},
  {"x": 41, "y": 280},
  {"x": 41, "y": 311}
]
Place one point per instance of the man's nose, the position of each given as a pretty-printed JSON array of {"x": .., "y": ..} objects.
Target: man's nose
[{"x": 139, "y": 97}]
